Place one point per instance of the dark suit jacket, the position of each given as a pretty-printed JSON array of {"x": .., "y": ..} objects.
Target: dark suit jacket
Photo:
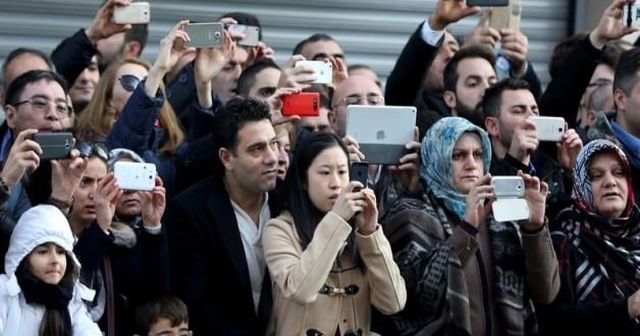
[{"x": 209, "y": 267}]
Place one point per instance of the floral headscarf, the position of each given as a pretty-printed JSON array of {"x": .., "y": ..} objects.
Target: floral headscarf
[
  {"x": 437, "y": 150},
  {"x": 582, "y": 193}
]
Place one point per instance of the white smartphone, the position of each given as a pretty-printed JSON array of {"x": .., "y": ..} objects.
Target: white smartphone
[
  {"x": 549, "y": 128},
  {"x": 251, "y": 34},
  {"x": 135, "y": 175},
  {"x": 205, "y": 34},
  {"x": 322, "y": 69},
  {"x": 134, "y": 13},
  {"x": 509, "y": 204}
]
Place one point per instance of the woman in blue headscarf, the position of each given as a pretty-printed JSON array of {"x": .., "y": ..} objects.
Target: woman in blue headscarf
[
  {"x": 598, "y": 245},
  {"x": 467, "y": 274}
]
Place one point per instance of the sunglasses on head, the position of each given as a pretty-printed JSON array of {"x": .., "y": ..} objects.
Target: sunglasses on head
[
  {"x": 88, "y": 149},
  {"x": 129, "y": 82}
]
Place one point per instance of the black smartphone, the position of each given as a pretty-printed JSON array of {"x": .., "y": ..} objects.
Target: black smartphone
[
  {"x": 488, "y": 3},
  {"x": 359, "y": 171},
  {"x": 54, "y": 145}
]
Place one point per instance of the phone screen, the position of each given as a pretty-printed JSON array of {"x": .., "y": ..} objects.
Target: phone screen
[{"x": 359, "y": 171}]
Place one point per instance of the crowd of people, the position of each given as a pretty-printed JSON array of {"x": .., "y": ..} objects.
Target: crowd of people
[{"x": 253, "y": 225}]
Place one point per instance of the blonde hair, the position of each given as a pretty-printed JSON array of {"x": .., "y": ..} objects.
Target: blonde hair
[
  {"x": 291, "y": 131},
  {"x": 95, "y": 122}
]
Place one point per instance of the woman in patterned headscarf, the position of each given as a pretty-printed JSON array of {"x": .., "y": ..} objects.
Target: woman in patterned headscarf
[
  {"x": 467, "y": 274},
  {"x": 598, "y": 245}
]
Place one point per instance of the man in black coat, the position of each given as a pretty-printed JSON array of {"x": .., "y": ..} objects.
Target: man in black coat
[
  {"x": 508, "y": 107},
  {"x": 214, "y": 228}
]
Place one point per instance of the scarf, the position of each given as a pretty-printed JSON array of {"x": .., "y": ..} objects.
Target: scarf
[
  {"x": 52, "y": 297},
  {"x": 432, "y": 267},
  {"x": 608, "y": 249},
  {"x": 438, "y": 298},
  {"x": 437, "y": 148}
]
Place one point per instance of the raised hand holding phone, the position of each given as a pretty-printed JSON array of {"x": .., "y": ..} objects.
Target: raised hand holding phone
[
  {"x": 24, "y": 156},
  {"x": 296, "y": 76},
  {"x": 476, "y": 208},
  {"x": 450, "y": 11},
  {"x": 275, "y": 104},
  {"x": 103, "y": 25},
  {"x": 349, "y": 202},
  {"x": 133, "y": 13},
  {"x": 106, "y": 198},
  {"x": 568, "y": 149},
  {"x": 172, "y": 47},
  {"x": 536, "y": 195},
  {"x": 153, "y": 204},
  {"x": 66, "y": 175},
  {"x": 367, "y": 219},
  {"x": 611, "y": 26}
]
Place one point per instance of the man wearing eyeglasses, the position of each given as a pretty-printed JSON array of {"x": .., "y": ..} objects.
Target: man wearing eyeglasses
[
  {"x": 361, "y": 90},
  {"x": 355, "y": 90},
  {"x": 597, "y": 97},
  {"x": 35, "y": 100}
]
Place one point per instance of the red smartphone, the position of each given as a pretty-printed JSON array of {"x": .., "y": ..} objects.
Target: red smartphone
[{"x": 304, "y": 104}]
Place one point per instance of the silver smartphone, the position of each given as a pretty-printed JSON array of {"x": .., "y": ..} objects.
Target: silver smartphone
[
  {"x": 549, "y": 128},
  {"x": 251, "y": 34},
  {"x": 205, "y": 34},
  {"x": 134, "y": 13},
  {"x": 507, "y": 186}
]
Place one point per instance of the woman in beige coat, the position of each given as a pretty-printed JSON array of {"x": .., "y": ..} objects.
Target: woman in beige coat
[{"x": 327, "y": 255}]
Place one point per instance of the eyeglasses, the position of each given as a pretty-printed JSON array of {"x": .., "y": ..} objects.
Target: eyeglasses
[
  {"x": 88, "y": 149},
  {"x": 41, "y": 105},
  {"x": 360, "y": 100},
  {"x": 129, "y": 82}
]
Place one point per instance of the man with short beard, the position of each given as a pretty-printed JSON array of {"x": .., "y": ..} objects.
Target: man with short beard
[
  {"x": 507, "y": 107},
  {"x": 469, "y": 73}
]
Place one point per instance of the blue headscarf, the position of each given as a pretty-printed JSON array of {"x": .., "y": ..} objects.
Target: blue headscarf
[{"x": 437, "y": 149}]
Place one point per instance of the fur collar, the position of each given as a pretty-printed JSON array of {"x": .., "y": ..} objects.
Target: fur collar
[{"x": 124, "y": 235}]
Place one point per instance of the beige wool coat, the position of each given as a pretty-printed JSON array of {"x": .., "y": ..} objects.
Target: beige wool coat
[{"x": 305, "y": 281}]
